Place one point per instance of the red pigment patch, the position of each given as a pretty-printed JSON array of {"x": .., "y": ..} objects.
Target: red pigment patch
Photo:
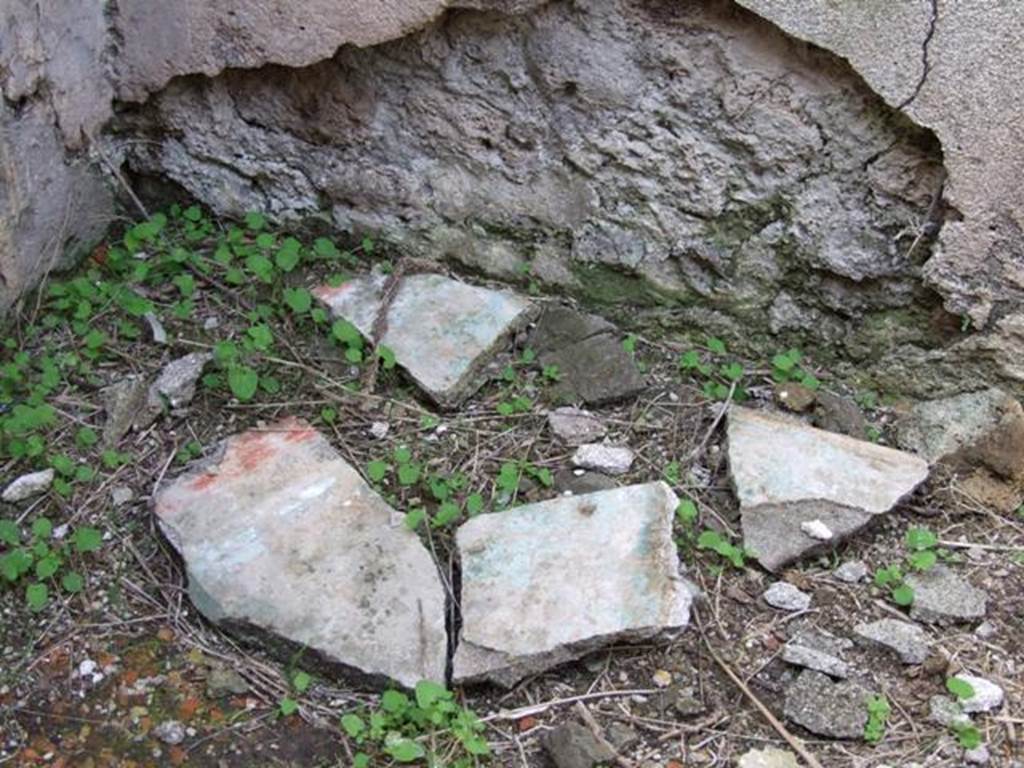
[
  {"x": 300, "y": 435},
  {"x": 203, "y": 482},
  {"x": 326, "y": 292},
  {"x": 250, "y": 452}
]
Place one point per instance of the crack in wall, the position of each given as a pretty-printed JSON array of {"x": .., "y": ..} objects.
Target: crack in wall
[{"x": 926, "y": 65}]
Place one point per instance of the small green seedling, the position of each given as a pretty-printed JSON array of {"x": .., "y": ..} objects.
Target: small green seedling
[
  {"x": 716, "y": 542},
  {"x": 430, "y": 726},
  {"x": 40, "y": 562},
  {"x": 878, "y": 715}
]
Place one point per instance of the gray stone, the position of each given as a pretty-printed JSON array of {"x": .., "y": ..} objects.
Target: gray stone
[
  {"x": 987, "y": 695},
  {"x": 593, "y": 365},
  {"x": 442, "y": 331},
  {"x": 572, "y": 745},
  {"x": 176, "y": 383},
  {"x": 769, "y": 757},
  {"x": 559, "y": 327},
  {"x": 574, "y": 426},
  {"x": 977, "y": 756},
  {"x": 946, "y": 712},
  {"x": 851, "y": 572},
  {"x": 156, "y": 328},
  {"x": 817, "y": 650},
  {"x": 980, "y": 428},
  {"x": 787, "y": 474},
  {"x": 840, "y": 414},
  {"x": 621, "y": 736},
  {"x": 125, "y": 403},
  {"x": 29, "y": 485},
  {"x": 578, "y": 481},
  {"x": 121, "y": 495},
  {"x": 253, "y": 526},
  {"x": 942, "y": 597},
  {"x": 224, "y": 681},
  {"x": 609, "y": 459},
  {"x": 170, "y": 732},
  {"x": 836, "y": 710},
  {"x": 549, "y": 582},
  {"x": 786, "y": 597},
  {"x": 906, "y": 640}
]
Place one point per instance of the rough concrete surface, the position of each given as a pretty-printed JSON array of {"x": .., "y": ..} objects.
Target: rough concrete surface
[
  {"x": 280, "y": 535},
  {"x": 727, "y": 165},
  {"x": 955, "y": 68}
]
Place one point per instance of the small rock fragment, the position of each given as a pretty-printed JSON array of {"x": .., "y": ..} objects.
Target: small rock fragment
[
  {"x": 836, "y": 710},
  {"x": 769, "y": 757},
  {"x": 987, "y": 695},
  {"x": 621, "y": 736},
  {"x": 907, "y": 640},
  {"x": 840, "y": 415},
  {"x": 572, "y": 745},
  {"x": 977, "y": 756},
  {"x": 942, "y": 597},
  {"x": 794, "y": 397},
  {"x": 985, "y": 630},
  {"x": 946, "y": 712},
  {"x": 816, "y": 530},
  {"x": 177, "y": 381},
  {"x": 170, "y": 732},
  {"x": 29, "y": 485},
  {"x": 610, "y": 459},
  {"x": 379, "y": 430},
  {"x": 851, "y": 572},
  {"x": 121, "y": 495},
  {"x": 156, "y": 328},
  {"x": 223, "y": 681},
  {"x": 786, "y": 597},
  {"x": 817, "y": 650},
  {"x": 579, "y": 481},
  {"x": 125, "y": 406},
  {"x": 574, "y": 426},
  {"x": 662, "y": 678}
]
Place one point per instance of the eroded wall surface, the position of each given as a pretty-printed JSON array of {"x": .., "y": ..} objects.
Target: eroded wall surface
[{"x": 727, "y": 171}]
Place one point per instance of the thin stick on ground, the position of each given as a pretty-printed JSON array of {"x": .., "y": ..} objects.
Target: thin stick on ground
[{"x": 773, "y": 721}]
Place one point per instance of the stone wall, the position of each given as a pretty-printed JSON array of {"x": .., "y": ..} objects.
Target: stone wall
[
  {"x": 688, "y": 156},
  {"x": 683, "y": 155}
]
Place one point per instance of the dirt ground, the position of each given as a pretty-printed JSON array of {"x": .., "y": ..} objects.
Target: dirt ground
[{"x": 87, "y": 680}]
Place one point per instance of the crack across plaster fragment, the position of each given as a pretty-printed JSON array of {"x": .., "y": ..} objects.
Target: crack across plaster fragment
[{"x": 925, "y": 62}]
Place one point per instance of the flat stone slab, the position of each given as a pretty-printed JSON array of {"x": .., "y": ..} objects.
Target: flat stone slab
[
  {"x": 818, "y": 650},
  {"x": 793, "y": 481},
  {"x": 546, "y": 583},
  {"x": 593, "y": 365},
  {"x": 442, "y": 331},
  {"x": 906, "y": 640},
  {"x": 282, "y": 537},
  {"x": 836, "y": 710},
  {"x": 943, "y": 597}
]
